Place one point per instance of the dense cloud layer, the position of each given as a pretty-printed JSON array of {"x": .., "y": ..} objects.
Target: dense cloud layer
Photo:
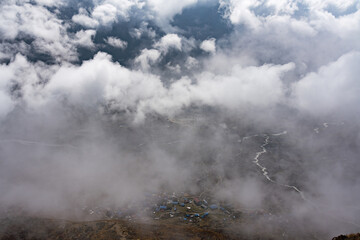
[{"x": 110, "y": 99}]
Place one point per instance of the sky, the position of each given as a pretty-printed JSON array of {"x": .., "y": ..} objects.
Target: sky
[{"x": 87, "y": 90}]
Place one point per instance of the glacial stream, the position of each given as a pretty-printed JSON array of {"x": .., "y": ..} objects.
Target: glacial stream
[{"x": 265, "y": 173}]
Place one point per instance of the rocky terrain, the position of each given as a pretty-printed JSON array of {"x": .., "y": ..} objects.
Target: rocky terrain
[
  {"x": 348, "y": 237},
  {"x": 34, "y": 228},
  {"x": 39, "y": 228}
]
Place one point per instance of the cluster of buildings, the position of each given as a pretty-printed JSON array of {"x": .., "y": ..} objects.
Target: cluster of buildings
[{"x": 167, "y": 206}]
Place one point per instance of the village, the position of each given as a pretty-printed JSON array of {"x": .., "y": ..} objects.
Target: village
[{"x": 176, "y": 208}]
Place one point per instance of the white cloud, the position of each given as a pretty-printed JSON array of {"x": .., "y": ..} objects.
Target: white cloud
[
  {"x": 99, "y": 82},
  {"x": 239, "y": 12},
  {"x": 85, "y": 21},
  {"x": 105, "y": 14},
  {"x": 208, "y": 45},
  {"x": 169, "y": 41},
  {"x": 346, "y": 26},
  {"x": 147, "y": 57},
  {"x": 6, "y": 102},
  {"x": 116, "y": 42},
  {"x": 230, "y": 87},
  {"x": 29, "y": 19},
  {"x": 49, "y": 3},
  {"x": 28, "y": 77},
  {"x": 108, "y": 11},
  {"x": 243, "y": 12},
  {"x": 191, "y": 63},
  {"x": 243, "y": 87},
  {"x": 165, "y": 10},
  {"x": 282, "y": 6},
  {"x": 323, "y": 4},
  {"x": 244, "y": 192},
  {"x": 49, "y": 33},
  {"x": 124, "y": 6},
  {"x": 85, "y": 38},
  {"x": 143, "y": 30},
  {"x": 333, "y": 89},
  {"x": 305, "y": 36}
]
